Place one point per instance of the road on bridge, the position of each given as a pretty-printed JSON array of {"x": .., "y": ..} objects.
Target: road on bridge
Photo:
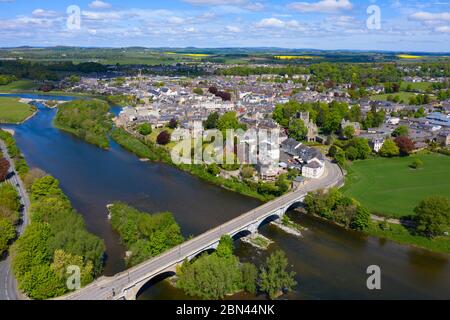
[
  {"x": 115, "y": 287},
  {"x": 8, "y": 289}
]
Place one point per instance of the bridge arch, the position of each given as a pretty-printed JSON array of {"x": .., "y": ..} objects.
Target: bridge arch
[
  {"x": 269, "y": 219},
  {"x": 241, "y": 234},
  {"x": 202, "y": 252},
  {"x": 152, "y": 281},
  {"x": 294, "y": 205}
]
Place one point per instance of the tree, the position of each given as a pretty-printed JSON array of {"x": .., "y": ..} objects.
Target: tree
[
  {"x": 74, "y": 79},
  {"x": 349, "y": 132},
  {"x": 389, "y": 149},
  {"x": 361, "y": 148},
  {"x": 214, "y": 169},
  {"x": 420, "y": 113},
  {"x": 361, "y": 219},
  {"x": 249, "y": 277},
  {"x": 213, "y": 90},
  {"x": 7, "y": 233},
  {"x": 401, "y": 131},
  {"x": 4, "y": 169},
  {"x": 433, "y": 216},
  {"x": 297, "y": 130},
  {"x": 44, "y": 187},
  {"x": 416, "y": 164},
  {"x": 163, "y": 138},
  {"x": 274, "y": 278},
  {"x": 210, "y": 277},
  {"x": 198, "y": 91},
  {"x": 173, "y": 123},
  {"x": 405, "y": 145},
  {"x": 33, "y": 175},
  {"x": 229, "y": 121},
  {"x": 211, "y": 121},
  {"x": 247, "y": 172},
  {"x": 226, "y": 247},
  {"x": 145, "y": 129}
]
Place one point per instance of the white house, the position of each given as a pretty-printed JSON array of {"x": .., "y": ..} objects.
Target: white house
[{"x": 314, "y": 169}]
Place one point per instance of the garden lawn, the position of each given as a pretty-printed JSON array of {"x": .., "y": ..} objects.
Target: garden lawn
[
  {"x": 389, "y": 187},
  {"x": 13, "y": 111}
]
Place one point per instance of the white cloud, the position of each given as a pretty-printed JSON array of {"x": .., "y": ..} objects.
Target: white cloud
[
  {"x": 280, "y": 24},
  {"x": 271, "y": 22},
  {"x": 216, "y": 2},
  {"x": 97, "y": 4},
  {"x": 176, "y": 20},
  {"x": 233, "y": 29},
  {"x": 443, "y": 29},
  {"x": 428, "y": 16},
  {"x": 323, "y": 6},
  {"x": 90, "y": 15},
  {"x": 41, "y": 13}
]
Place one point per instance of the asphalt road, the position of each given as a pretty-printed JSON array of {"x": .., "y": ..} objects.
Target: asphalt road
[
  {"x": 8, "y": 284},
  {"x": 113, "y": 287}
]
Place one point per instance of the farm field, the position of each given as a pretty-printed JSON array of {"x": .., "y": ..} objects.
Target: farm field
[
  {"x": 18, "y": 86},
  {"x": 389, "y": 187},
  {"x": 13, "y": 111}
]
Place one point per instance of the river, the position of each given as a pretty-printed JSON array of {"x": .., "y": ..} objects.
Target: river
[{"x": 330, "y": 262}]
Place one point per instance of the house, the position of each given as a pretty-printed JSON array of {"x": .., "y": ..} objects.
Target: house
[
  {"x": 355, "y": 125},
  {"x": 313, "y": 169},
  {"x": 312, "y": 160},
  {"x": 440, "y": 119},
  {"x": 443, "y": 138},
  {"x": 290, "y": 146},
  {"x": 377, "y": 143},
  {"x": 393, "y": 121}
]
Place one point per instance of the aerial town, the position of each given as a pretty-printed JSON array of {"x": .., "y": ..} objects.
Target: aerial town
[{"x": 245, "y": 151}]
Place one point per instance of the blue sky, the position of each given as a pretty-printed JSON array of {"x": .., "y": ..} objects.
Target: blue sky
[{"x": 319, "y": 24}]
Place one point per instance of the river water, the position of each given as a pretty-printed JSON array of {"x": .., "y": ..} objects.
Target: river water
[{"x": 330, "y": 262}]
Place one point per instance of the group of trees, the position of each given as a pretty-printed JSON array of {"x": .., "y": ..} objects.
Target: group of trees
[
  {"x": 9, "y": 215},
  {"x": 6, "y": 79},
  {"x": 328, "y": 117},
  {"x": 221, "y": 273},
  {"x": 433, "y": 216},
  {"x": 226, "y": 96},
  {"x": 55, "y": 239},
  {"x": 351, "y": 149},
  {"x": 4, "y": 169},
  {"x": 228, "y": 120},
  {"x": 144, "y": 235},
  {"x": 14, "y": 153},
  {"x": 401, "y": 144},
  {"x": 145, "y": 129},
  {"x": 334, "y": 206},
  {"x": 47, "y": 71},
  {"x": 88, "y": 119},
  {"x": 420, "y": 99}
]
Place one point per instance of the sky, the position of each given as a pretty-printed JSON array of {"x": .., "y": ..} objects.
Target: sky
[{"x": 392, "y": 25}]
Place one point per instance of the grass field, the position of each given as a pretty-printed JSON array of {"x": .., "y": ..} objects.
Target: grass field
[
  {"x": 13, "y": 111},
  {"x": 18, "y": 86},
  {"x": 421, "y": 86},
  {"x": 403, "y": 96},
  {"x": 389, "y": 187}
]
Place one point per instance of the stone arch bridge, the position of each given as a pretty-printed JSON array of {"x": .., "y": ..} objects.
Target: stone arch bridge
[{"x": 127, "y": 284}]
